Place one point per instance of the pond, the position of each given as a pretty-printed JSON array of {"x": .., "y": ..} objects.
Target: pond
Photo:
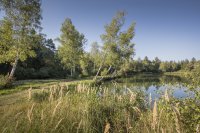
[{"x": 154, "y": 85}]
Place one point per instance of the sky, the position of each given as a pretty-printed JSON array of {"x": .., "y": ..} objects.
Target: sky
[{"x": 168, "y": 29}]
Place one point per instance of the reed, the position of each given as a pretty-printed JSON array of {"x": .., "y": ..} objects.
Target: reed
[
  {"x": 30, "y": 113},
  {"x": 58, "y": 124},
  {"x": 155, "y": 115},
  {"x": 166, "y": 96},
  {"x": 79, "y": 126},
  {"x": 29, "y": 93},
  {"x": 82, "y": 110},
  {"x": 177, "y": 119},
  {"x": 107, "y": 127},
  {"x": 55, "y": 109},
  {"x": 150, "y": 100}
]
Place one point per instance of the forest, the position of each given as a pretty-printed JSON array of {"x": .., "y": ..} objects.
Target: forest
[{"x": 45, "y": 87}]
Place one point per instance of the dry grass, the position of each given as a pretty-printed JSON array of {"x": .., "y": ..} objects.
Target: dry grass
[
  {"x": 155, "y": 115},
  {"x": 90, "y": 109},
  {"x": 107, "y": 128}
]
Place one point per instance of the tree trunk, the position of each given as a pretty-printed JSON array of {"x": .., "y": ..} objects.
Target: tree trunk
[
  {"x": 74, "y": 69},
  {"x": 114, "y": 73},
  {"x": 11, "y": 75},
  {"x": 71, "y": 72},
  {"x": 97, "y": 72},
  {"x": 109, "y": 69},
  {"x": 94, "y": 67},
  {"x": 102, "y": 63}
]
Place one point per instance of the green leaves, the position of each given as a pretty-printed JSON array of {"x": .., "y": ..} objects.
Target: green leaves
[
  {"x": 117, "y": 45},
  {"x": 22, "y": 17},
  {"x": 10, "y": 46},
  {"x": 72, "y": 43},
  {"x": 7, "y": 41}
]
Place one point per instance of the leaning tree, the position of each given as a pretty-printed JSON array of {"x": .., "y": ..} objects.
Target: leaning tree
[
  {"x": 18, "y": 30},
  {"x": 118, "y": 48}
]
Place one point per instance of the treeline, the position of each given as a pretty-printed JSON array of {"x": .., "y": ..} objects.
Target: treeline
[
  {"x": 158, "y": 66},
  {"x": 45, "y": 63},
  {"x": 26, "y": 53}
]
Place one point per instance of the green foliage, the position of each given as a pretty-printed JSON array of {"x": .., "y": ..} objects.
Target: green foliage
[
  {"x": 18, "y": 30},
  {"x": 6, "y": 41},
  {"x": 117, "y": 47},
  {"x": 3, "y": 81},
  {"x": 96, "y": 56},
  {"x": 71, "y": 48},
  {"x": 34, "y": 56},
  {"x": 86, "y": 65},
  {"x": 104, "y": 72},
  {"x": 158, "y": 66},
  {"x": 146, "y": 63},
  {"x": 190, "y": 110},
  {"x": 44, "y": 65}
]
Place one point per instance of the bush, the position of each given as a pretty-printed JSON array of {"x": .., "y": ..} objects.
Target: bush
[
  {"x": 44, "y": 72},
  {"x": 3, "y": 81}
]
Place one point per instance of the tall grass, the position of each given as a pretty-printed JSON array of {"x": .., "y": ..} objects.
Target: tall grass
[{"x": 90, "y": 109}]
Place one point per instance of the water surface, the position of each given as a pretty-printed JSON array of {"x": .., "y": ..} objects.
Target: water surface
[{"x": 154, "y": 85}]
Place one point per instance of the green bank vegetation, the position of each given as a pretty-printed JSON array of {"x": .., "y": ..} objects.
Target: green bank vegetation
[{"x": 38, "y": 84}]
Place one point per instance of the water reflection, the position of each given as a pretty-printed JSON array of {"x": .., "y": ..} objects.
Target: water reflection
[{"x": 152, "y": 84}]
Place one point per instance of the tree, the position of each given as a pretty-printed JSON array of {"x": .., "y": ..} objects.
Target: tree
[
  {"x": 22, "y": 19},
  {"x": 117, "y": 45},
  {"x": 42, "y": 65},
  {"x": 156, "y": 64},
  {"x": 137, "y": 65},
  {"x": 86, "y": 64},
  {"x": 96, "y": 56},
  {"x": 163, "y": 67},
  {"x": 50, "y": 44},
  {"x": 71, "y": 49},
  {"x": 146, "y": 64}
]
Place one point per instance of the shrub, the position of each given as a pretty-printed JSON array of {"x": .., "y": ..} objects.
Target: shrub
[
  {"x": 44, "y": 72},
  {"x": 4, "y": 82}
]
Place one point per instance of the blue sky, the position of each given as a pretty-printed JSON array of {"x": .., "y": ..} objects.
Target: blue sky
[{"x": 168, "y": 29}]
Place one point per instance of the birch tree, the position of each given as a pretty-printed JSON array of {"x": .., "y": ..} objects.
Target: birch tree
[
  {"x": 71, "y": 46},
  {"x": 117, "y": 45},
  {"x": 21, "y": 21}
]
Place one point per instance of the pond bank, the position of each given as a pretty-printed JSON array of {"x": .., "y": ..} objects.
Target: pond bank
[{"x": 36, "y": 84}]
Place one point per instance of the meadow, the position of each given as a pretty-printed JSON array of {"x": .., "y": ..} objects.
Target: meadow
[{"x": 86, "y": 107}]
